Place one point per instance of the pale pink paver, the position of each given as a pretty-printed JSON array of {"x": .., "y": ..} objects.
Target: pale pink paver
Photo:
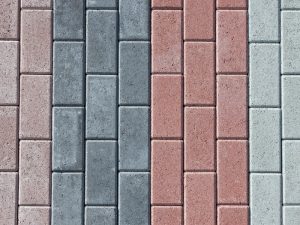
[
  {"x": 34, "y": 172},
  {"x": 36, "y": 3},
  {"x": 31, "y": 215},
  {"x": 232, "y": 4},
  {"x": 233, "y": 215},
  {"x": 166, "y": 215},
  {"x": 166, "y": 4},
  {"x": 9, "y": 19},
  {"x": 35, "y": 107}
]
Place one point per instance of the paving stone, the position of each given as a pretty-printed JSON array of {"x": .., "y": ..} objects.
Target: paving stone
[
  {"x": 68, "y": 138},
  {"x": 233, "y": 215},
  {"x": 36, "y": 41},
  {"x": 265, "y": 199},
  {"x": 9, "y": 72},
  {"x": 134, "y": 73},
  {"x": 166, "y": 41},
  {"x": 264, "y": 20},
  {"x": 167, "y": 3},
  {"x": 134, "y": 18},
  {"x": 101, "y": 108},
  {"x": 166, "y": 172},
  {"x": 8, "y": 138},
  {"x": 200, "y": 198},
  {"x": 68, "y": 19},
  {"x": 29, "y": 215},
  {"x": 101, "y": 41},
  {"x": 36, "y": 4},
  {"x": 290, "y": 107},
  {"x": 290, "y": 42},
  {"x": 134, "y": 198},
  {"x": 166, "y": 215},
  {"x": 134, "y": 138},
  {"x": 34, "y": 172},
  {"x": 231, "y": 41},
  {"x": 101, "y": 173},
  {"x": 35, "y": 106},
  {"x": 291, "y": 171},
  {"x": 291, "y": 215},
  {"x": 9, "y": 17},
  {"x": 101, "y": 3},
  {"x": 95, "y": 215},
  {"x": 67, "y": 198},
  {"x": 8, "y": 196},
  {"x": 265, "y": 140},
  {"x": 264, "y": 79},
  {"x": 290, "y": 4},
  {"x": 229, "y": 4},
  {"x": 68, "y": 73}
]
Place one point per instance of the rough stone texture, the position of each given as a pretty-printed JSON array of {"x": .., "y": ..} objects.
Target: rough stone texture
[
  {"x": 9, "y": 71},
  {"x": 291, "y": 215},
  {"x": 8, "y": 138},
  {"x": 233, "y": 215},
  {"x": 68, "y": 138},
  {"x": 290, "y": 4},
  {"x": 29, "y": 215},
  {"x": 67, "y": 198},
  {"x": 166, "y": 215},
  {"x": 166, "y": 106},
  {"x": 101, "y": 41},
  {"x": 36, "y": 41},
  {"x": 96, "y": 215},
  {"x": 231, "y": 4},
  {"x": 264, "y": 20},
  {"x": 68, "y": 19},
  {"x": 101, "y": 108},
  {"x": 134, "y": 73},
  {"x": 68, "y": 73},
  {"x": 101, "y": 172},
  {"x": 9, "y": 19},
  {"x": 265, "y": 140},
  {"x": 199, "y": 138},
  {"x": 134, "y": 198},
  {"x": 36, "y": 4},
  {"x": 134, "y": 19},
  {"x": 101, "y": 3},
  {"x": 264, "y": 79},
  {"x": 166, "y": 172},
  {"x": 166, "y": 41},
  {"x": 35, "y": 106},
  {"x": 166, "y": 3},
  {"x": 134, "y": 138},
  {"x": 8, "y": 198},
  {"x": 34, "y": 172}
]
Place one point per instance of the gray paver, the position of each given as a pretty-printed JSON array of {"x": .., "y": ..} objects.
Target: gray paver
[
  {"x": 291, "y": 215},
  {"x": 290, "y": 4},
  {"x": 95, "y": 215},
  {"x": 101, "y": 3}
]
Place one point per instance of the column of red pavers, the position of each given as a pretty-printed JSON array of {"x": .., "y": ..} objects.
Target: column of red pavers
[{"x": 232, "y": 126}]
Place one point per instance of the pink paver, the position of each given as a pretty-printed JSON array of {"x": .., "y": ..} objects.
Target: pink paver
[
  {"x": 167, "y": 215},
  {"x": 199, "y": 73},
  {"x": 8, "y": 198},
  {"x": 166, "y": 4},
  {"x": 36, "y": 41},
  {"x": 34, "y": 174},
  {"x": 233, "y": 215},
  {"x": 36, "y": 3},
  {"x": 199, "y": 198},
  {"x": 34, "y": 215},
  {"x": 166, "y": 172},
  {"x": 232, "y": 170},
  {"x": 166, "y": 41},
  {"x": 232, "y": 109},
  {"x": 166, "y": 106},
  {"x": 9, "y": 19},
  {"x": 199, "y": 20},
  {"x": 232, "y": 4},
  {"x": 35, "y": 106},
  {"x": 9, "y": 71},
  {"x": 199, "y": 140},
  {"x": 232, "y": 41},
  {"x": 8, "y": 138}
]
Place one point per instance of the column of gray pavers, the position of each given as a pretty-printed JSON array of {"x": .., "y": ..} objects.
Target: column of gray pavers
[
  {"x": 265, "y": 113},
  {"x": 68, "y": 112}
]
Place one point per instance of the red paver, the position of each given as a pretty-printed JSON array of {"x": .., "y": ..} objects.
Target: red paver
[
  {"x": 166, "y": 172},
  {"x": 166, "y": 41},
  {"x": 199, "y": 73},
  {"x": 9, "y": 19},
  {"x": 232, "y": 41},
  {"x": 35, "y": 106},
  {"x": 199, "y": 140},
  {"x": 167, "y": 4},
  {"x": 199, "y": 198},
  {"x": 166, "y": 106},
  {"x": 199, "y": 20},
  {"x": 36, "y": 41},
  {"x": 34, "y": 215},
  {"x": 232, "y": 4},
  {"x": 34, "y": 174},
  {"x": 8, "y": 138},
  {"x": 8, "y": 198},
  {"x": 232, "y": 172},
  {"x": 36, "y": 3},
  {"x": 233, "y": 215},
  {"x": 232, "y": 109},
  {"x": 166, "y": 215}
]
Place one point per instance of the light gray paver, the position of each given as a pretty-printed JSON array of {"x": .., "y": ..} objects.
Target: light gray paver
[
  {"x": 101, "y": 3},
  {"x": 95, "y": 215},
  {"x": 290, "y": 4},
  {"x": 291, "y": 215}
]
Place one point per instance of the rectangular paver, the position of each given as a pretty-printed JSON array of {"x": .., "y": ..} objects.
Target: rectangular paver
[
  {"x": 229, "y": 4},
  {"x": 96, "y": 215},
  {"x": 291, "y": 215},
  {"x": 233, "y": 215},
  {"x": 101, "y": 4},
  {"x": 166, "y": 215},
  {"x": 34, "y": 215},
  {"x": 9, "y": 19},
  {"x": 101, "y": 173},
  {"x": 166, "y": 4},
  {"x": 290, "y": 4},
  {"x": 36, "y": 4}
]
